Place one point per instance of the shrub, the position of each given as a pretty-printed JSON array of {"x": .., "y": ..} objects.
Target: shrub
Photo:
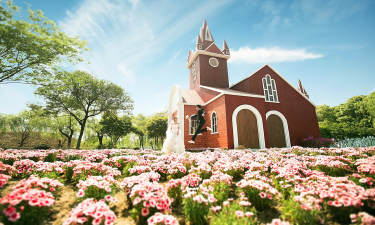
[
  {"x": 293, "y": 212},
  {"x": 259, "y": 193},
  {"x": 196, "y": 207},
  {"x": 42, "y": 146},
  {"x": 233, "y": 214},
  {"x": 96, "y": 187},
  {"x": 26, "y": 206},
  {"x": 147, "y": 199},
  {"x": 312, "y": 142},
  {"x": 91, "y": 211},
  {"x": 51, "y": 157},
  {"x": 160, "y": 219}
]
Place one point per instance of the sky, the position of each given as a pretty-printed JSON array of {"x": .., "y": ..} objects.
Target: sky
[{"x": 142, "y": 45}]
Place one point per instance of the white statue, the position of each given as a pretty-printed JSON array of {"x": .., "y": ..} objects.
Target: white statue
[{"x": 174, "y": 142}]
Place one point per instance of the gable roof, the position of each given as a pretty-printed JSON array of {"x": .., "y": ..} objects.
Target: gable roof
[
  {"x": 280, "y": 77},
  {"x": 227, "y": 91},
  {"x": 191, "y": 97}
]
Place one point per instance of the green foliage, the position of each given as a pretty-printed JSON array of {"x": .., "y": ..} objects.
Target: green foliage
[
  {"x": 195, "y": 212},
  {"x": 51, "y": 157},
  {"x": 260, "y": 203},
  {"x": 31, "y": 45},
  {"x": 175, "y": 193},
  {"x": 221, "y": 192},
  {"x": 82, "y": 96},
  {"x": 29, "y": 215},
  {"x": 156, "y": 128},
  {"x": 115, "y": 127},
  {"x": 353, "y": 119},
  {"x": 292, "y": 211},
  {"x": 355, "y": 142},
  {"x": 228, "y": 216}
]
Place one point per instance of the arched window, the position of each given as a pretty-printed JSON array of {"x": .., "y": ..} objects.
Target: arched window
[
  {"x": 269, "y": 87},
  {"x": 214, "y": 123},
  {"x": 193, "y": 124}
]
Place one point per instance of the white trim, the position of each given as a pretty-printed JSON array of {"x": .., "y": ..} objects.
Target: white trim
[
  {"x": 280, "y": 77},
  {"x": 213, "y": 99},
  {"x": 201, "y": 52},
  {"x": 285, "y": 125},
  {"x": 232, "y": 92},
  {"x": 212, "y": 127},
  {"x": 259, "y": 124},
  {"x": 292, "y": 86},
  {"x": 247, "y": 77}
]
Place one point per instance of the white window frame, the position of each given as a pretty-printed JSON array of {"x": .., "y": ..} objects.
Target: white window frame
[
  {"x": 212, "y": 123},
  {"x": 270, "y": 89},
  {"x": 190, "y": 126}
]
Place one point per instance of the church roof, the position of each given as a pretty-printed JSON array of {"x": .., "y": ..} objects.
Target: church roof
[
  {"x": 191, "y": 97},
  {"x": 298, "y": 91},
  {"x": 227, "y": 91}
]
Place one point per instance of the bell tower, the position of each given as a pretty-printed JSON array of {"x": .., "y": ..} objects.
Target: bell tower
[{"x": 208, "y": 64}]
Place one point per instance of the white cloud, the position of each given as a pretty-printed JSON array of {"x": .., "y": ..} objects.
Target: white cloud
[
  {"x": 270, "y": 55},
  {"x": 127, "y": 38}
]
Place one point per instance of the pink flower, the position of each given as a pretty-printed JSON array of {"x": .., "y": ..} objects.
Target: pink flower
[
  {"x": 262, "y": 195},
  {"x": 249, "y": 214},
  {"x": 145, "y": 212},
  {"x": 239, "y": 213}
]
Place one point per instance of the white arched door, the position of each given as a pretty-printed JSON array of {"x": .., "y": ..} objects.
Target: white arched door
[{"x": 247, "y": 127}]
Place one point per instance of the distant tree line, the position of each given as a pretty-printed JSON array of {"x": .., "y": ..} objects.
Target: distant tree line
[{"x": 352, "y": 119}]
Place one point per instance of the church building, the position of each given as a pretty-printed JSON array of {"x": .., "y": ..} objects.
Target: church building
[{"x": 261, "y": 111}]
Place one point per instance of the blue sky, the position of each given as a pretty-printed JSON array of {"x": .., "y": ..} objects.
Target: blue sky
[{"x": 142, "y": 45}]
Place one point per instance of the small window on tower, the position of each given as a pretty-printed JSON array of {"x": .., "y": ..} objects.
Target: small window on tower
[
  {"x": 269, "y": 87},
  {"x": 194, "y": 71}
]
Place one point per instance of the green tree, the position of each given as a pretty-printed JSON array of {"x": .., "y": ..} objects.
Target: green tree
[
  {"x": 3, "y": 123},
  {"x": 156, "y": 128},
  {"x": 82, "y": 96},
  {"x": 25, "y": 123},
  {"x": 67, "y": 126},
  {"x": 370, "y": 105},
  {"x": 354, "y": 118},
  {"x": 139, "y": 128},
  {"x": 29, "y": 47},
  {"x": 115, "y": 127},
  {"x": 97, "y": 128}
]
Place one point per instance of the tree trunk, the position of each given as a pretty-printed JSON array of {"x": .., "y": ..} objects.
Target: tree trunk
[
  {"x": 69, "y": 140},
  {"x": 24, "y": 136},
  {"x": 141, "y": 142},
  {"x": 83, "y": 124},
  {"x": 100, "y": 138}
]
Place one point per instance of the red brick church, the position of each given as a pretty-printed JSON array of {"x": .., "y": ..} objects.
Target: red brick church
[{"x": 263, "y": 110}]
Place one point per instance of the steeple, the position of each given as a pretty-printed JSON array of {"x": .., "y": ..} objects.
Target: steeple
[
  {"x": 225, "y": 48},
  {"x": 302, "y": 89},
  {"x": 205, "y": 35},
  {"x": 208, "y": 63}
]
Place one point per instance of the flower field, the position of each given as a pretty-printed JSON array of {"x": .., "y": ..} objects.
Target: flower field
[{"x": 274, "y": 186}]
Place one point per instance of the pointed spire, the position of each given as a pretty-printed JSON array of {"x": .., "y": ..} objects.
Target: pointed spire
[
  {"x": 225, "y": 48},
  {"x": 205, "y": 35},
  {"x": 302, "y": 89},
  {"x": 199, "y": 45}
]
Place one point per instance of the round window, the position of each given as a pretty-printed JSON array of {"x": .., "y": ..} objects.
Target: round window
[{"x": 213, "y": 62}]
